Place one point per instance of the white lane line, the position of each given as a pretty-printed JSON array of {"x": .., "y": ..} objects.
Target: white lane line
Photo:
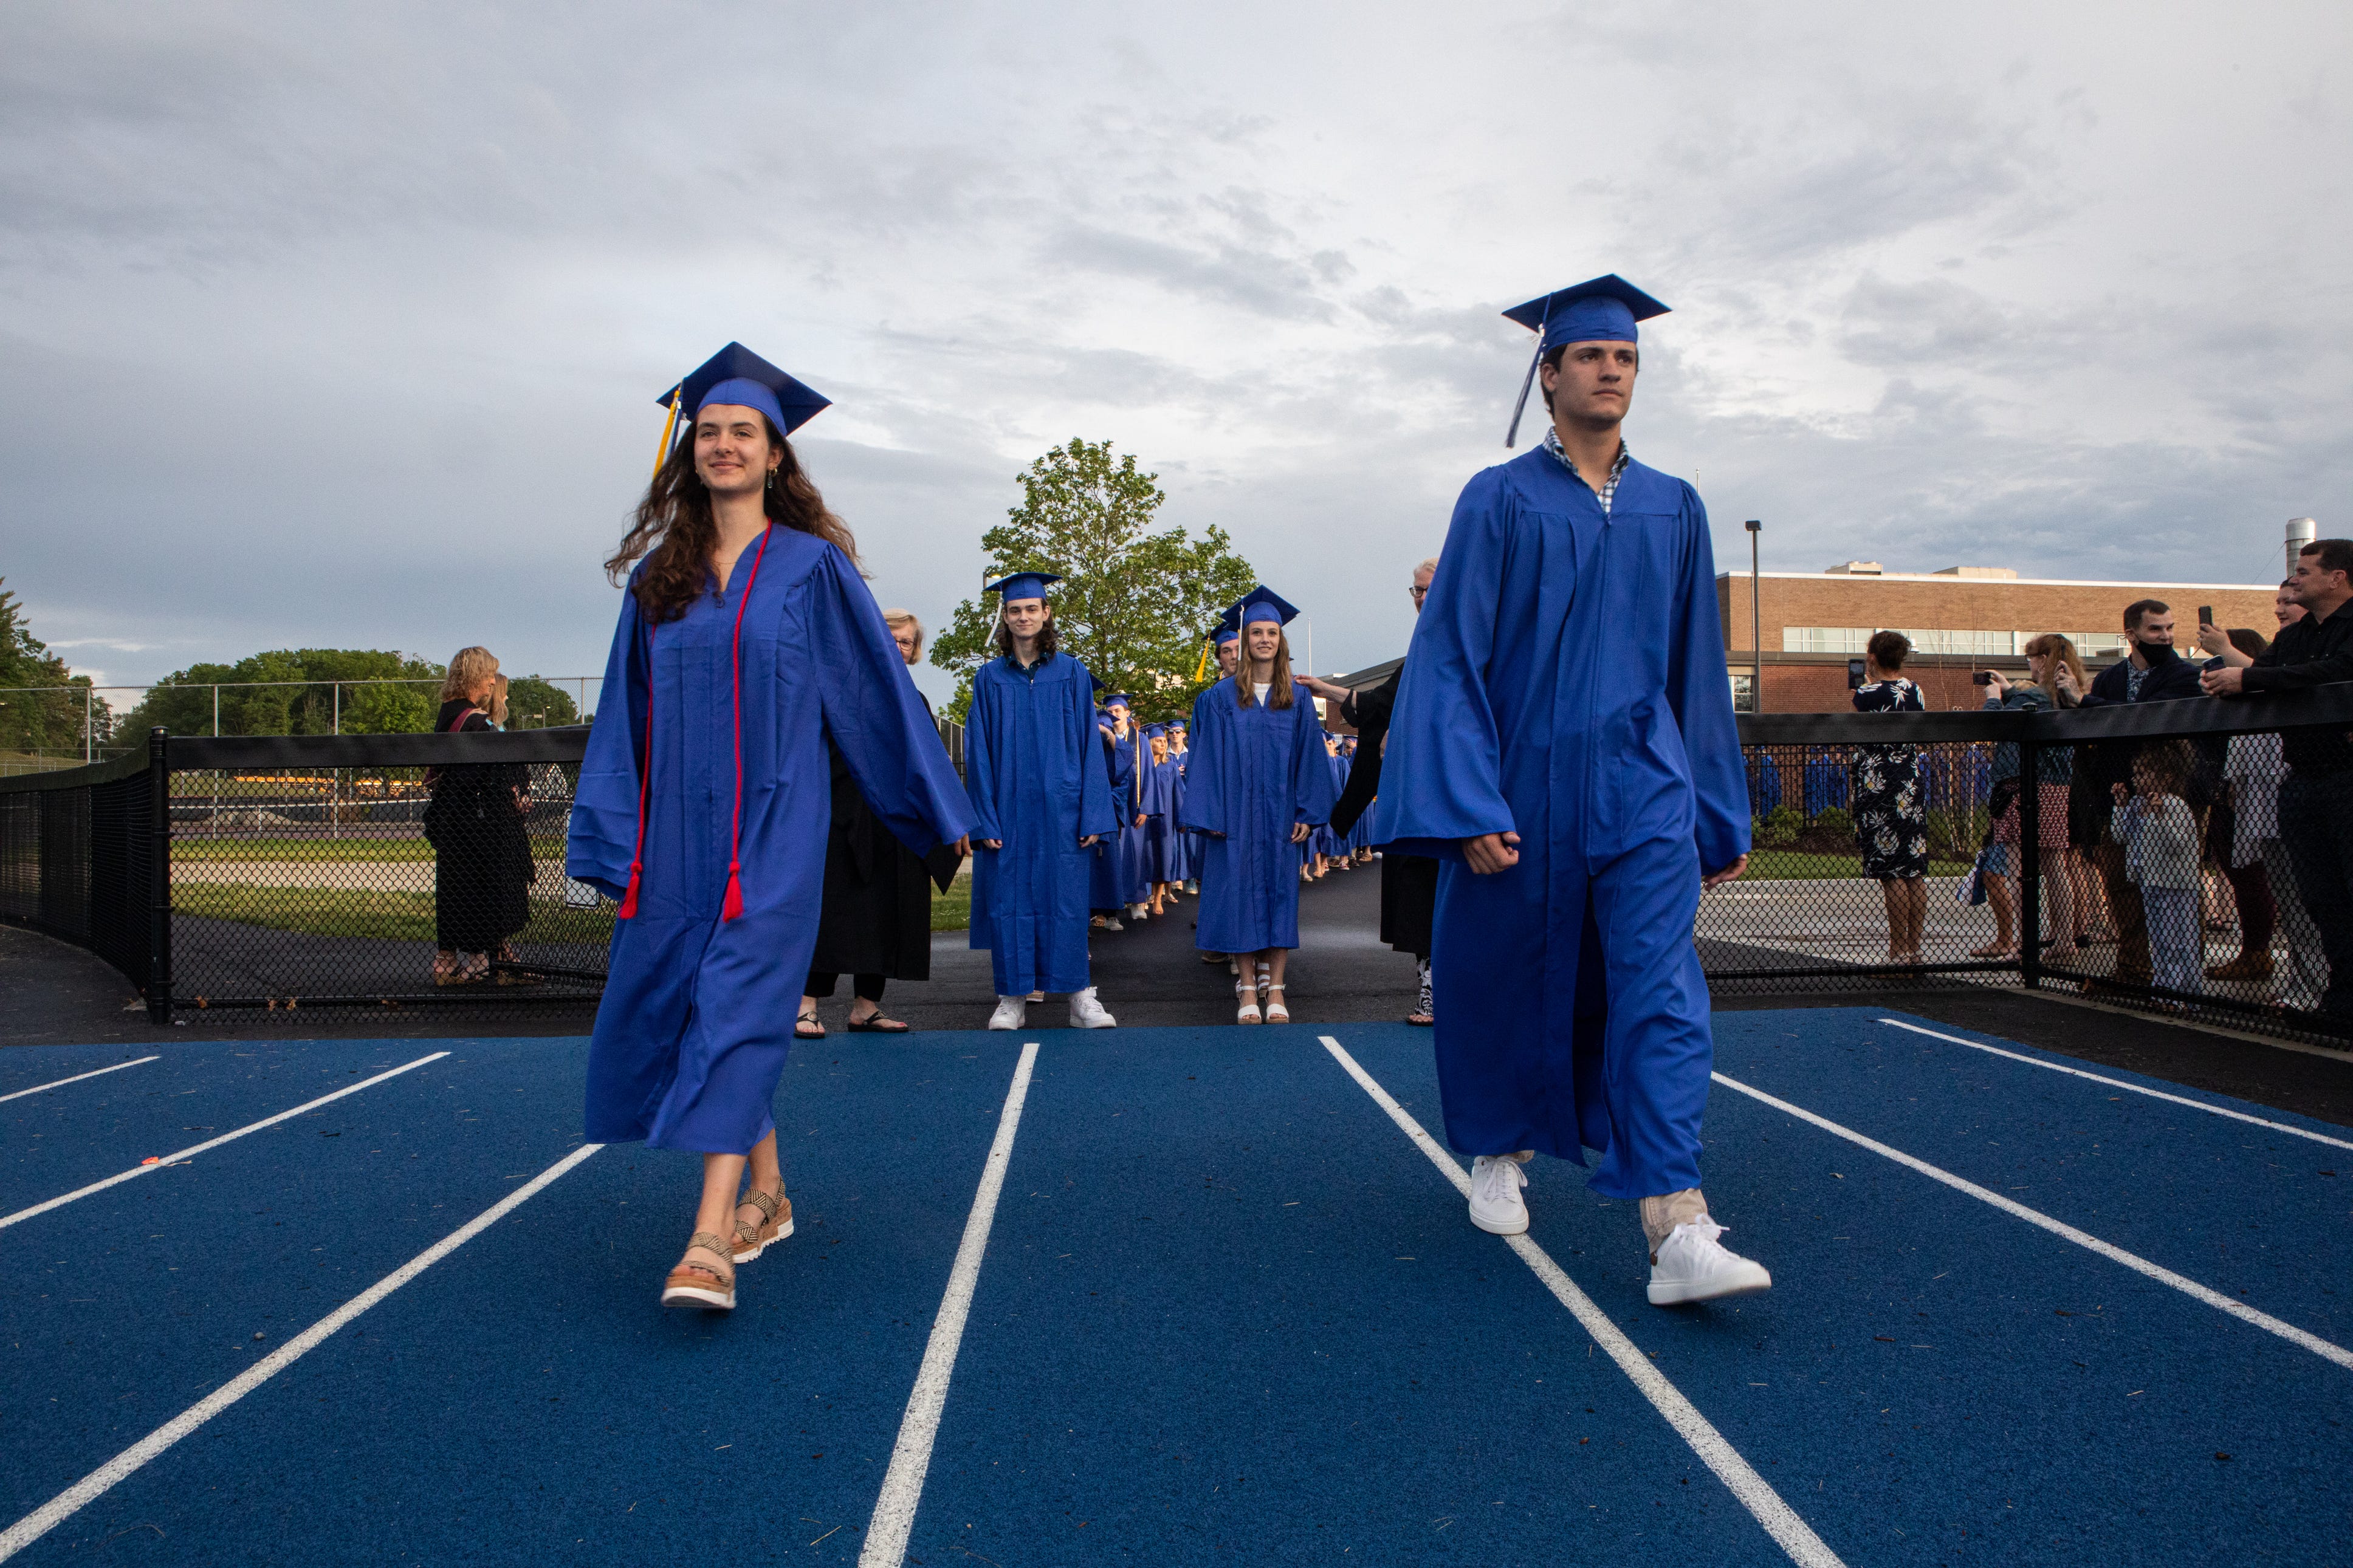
[
  {"x": 78, "y": 1078},
  {"x": 2119, "y": 1083},
  {"x": 1793, "y": 1534},
  {"x": 910, "y": 1460},
  {"x": 196, "y": 1148},
  {"x": 60, "y": 1507},
  {"x": 2327, "y": 1348}
]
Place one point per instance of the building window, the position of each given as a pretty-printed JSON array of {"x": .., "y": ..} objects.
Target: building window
[
  {"x": 1744, "y": 694},
  {"x": 1965, "y": 643},
  {"x": 1824, "y": 639}
]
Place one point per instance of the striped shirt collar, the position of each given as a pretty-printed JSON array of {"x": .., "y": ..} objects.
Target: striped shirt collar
[{"x": 1608, "y": 490}]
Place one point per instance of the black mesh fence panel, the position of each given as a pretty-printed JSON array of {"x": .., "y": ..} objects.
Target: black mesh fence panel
[
  {"x": 385, "y": 885},
  {"x": 1812, "y": 913},
  {"x": 1891, "y": 851}
]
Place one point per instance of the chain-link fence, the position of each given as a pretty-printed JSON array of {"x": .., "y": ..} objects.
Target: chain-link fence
[{"x": 1892, "y": 850}]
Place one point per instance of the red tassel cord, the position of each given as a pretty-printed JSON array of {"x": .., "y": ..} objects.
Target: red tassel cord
[
  {"x": 731, "y": 905},
  {"x": 628, "y": 910}
]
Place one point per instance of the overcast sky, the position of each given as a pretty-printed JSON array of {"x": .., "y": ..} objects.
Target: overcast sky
[{"x": 342, "y": 326}]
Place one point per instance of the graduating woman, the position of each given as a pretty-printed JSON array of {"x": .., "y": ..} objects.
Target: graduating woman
[
  {"x": 1184, "y": 849},
  {"x": 1258, "y": 785},
  {"x": 747, "y": 638},
  {"x": 1158, "y": 805},
  {"x": 1040, "y": 799}
]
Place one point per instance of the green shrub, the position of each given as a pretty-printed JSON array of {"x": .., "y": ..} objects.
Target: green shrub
[
  {"x": 1834, "y": 819},
  {"x": 1777, "y": 829}
]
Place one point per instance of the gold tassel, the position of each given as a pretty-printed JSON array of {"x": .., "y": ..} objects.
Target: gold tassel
[{"x": 677, "y": 396}]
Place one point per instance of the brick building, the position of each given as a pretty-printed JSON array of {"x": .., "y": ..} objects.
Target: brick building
[{"x": 1960, "y": 619}]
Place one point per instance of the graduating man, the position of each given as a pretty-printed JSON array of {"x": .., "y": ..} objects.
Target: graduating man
[
  {"x": 1563, "y": 742},
  {"x": 1040, "y": 800}
]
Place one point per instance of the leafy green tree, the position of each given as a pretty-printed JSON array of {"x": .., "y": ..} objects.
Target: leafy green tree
[
  {"x": 293, "y": 691},
  {"x": 1134, "y": 605},
  {"x": 32, "y": 720},
  {"x": 536, "y": 704}
]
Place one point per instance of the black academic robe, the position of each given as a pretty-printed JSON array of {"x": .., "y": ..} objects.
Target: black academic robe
[
  {"x": 877, "y": 915},
  {"x": 1408, "y": 882},
  {"x": 483, "y": 869}
]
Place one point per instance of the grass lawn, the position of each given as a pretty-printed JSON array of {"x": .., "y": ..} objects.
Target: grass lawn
[
  {"x": 1796, "y": 866},
  {"x": 408, "y": 916},
  {"x": 322, "y": 849},
  {"x": 384, "y": 915}
]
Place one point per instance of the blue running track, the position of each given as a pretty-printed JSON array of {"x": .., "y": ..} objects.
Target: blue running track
[{"x": 1228, "y": 1313}]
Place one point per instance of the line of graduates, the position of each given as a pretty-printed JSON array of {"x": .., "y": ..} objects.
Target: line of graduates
[{"x": 1562, "y": 745}]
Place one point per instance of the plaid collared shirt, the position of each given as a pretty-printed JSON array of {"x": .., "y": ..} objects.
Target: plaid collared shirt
[{"x": 1608, "y": 490}]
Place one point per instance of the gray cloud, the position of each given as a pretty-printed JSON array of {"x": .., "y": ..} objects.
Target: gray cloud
[{"x": 318, "y": 326}]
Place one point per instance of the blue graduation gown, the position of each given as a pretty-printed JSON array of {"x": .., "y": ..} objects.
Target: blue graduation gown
[
  {"x": 1034, "y": 770},
  {"x": 1160, "y": 830},
  {"x": 1184, "y": 848},
  {"x": 697, "y": 1012},
  {"x": 1107, "y": 879},
  {"x": 1566, "y": 681},
  {"x": 1254, "y": 772}
]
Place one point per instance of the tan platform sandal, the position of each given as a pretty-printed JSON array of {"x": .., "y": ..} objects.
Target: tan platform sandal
[
  {"x": 775, "y": 1224},
  {"x": 699, "y": 1284}
]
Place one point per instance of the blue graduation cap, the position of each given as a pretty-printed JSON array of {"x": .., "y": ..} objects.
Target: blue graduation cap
[
  {"x": 1229, "y": 627},
  {"x": 1599, "y": 311},
  {"x": 1263, "y": 604},
  {"x": 1119, "y": 700},
  {"x": 737, "y": 376},
  {"x": 1025, "y": 586}
]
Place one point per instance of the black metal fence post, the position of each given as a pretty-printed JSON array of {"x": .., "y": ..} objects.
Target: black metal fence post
[
  {"x": 159, "y": 885},
  {"x": 2030, "y": 862}
]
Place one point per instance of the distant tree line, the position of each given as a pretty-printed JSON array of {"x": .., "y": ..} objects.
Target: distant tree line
[
  {"x": 309, "y": 705},
  {"x": 37, "y": 720}
]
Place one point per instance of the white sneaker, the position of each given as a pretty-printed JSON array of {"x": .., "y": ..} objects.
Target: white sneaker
[
  {"x": 1110, "y": 922},
  {"x": 1087, "y": 1011},
  {"x": 1692, "y": 1266},
  {"x": 1496, "y": 1206},
  {"x": 1011, "y": 1012}
]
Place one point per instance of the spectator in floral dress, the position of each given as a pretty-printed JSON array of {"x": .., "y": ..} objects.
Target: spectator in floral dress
[{"x": 1891, "y": 817}]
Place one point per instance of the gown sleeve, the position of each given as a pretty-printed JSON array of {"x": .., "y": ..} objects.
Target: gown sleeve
[
  {"x": 1098, "y": 814},
  {"x": 875, "y": 715},
  {"x": 603, "y": 836},
  {"x": 1315, "y": 785},
  {"x": 1210, "y": 744},
  {"x": 1702, "y": 699},
  {"x": 1442, "y": 779},
  {"x": 980, "y": 757}
]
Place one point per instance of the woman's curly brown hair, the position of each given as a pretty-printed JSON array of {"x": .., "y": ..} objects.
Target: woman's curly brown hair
[{"x": 675, "y": 532}]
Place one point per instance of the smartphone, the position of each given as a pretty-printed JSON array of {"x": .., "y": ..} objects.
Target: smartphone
[
  {"x": 1854, "y": 675},
  {"x": 2205, "y": 614},
  {"x": 1981, "y": 678}
]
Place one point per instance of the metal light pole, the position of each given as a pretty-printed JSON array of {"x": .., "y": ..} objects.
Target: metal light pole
[{"x": 1755, "y": 622}]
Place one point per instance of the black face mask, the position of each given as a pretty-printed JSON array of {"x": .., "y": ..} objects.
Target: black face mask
[{"x": 2157, "y": 652}]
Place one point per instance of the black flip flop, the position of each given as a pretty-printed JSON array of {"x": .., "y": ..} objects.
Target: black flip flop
[
  {"x": 878, "y": 1024},
  {"x": 810, "y": 1019}
]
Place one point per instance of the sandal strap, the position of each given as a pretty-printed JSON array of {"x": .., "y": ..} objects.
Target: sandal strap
[
  {"x": 713, "y": 1244},
  {"x": 759, "y": 1200}
]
